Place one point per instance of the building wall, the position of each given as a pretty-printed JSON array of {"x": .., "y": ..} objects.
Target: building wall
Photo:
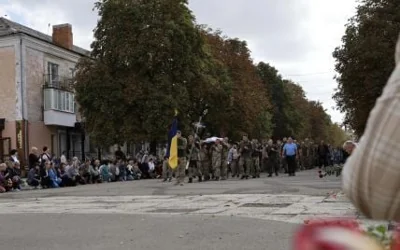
[
  {"x": 8, "y": 82},
  {"x": 21, "y": 92},
  {"x": 38, "y": 55}
]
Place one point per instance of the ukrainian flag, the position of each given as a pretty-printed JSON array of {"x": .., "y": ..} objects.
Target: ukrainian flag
[{"x": 172, "y": 149}]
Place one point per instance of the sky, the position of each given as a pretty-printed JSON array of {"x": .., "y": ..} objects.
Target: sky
[{"x": 295, "y": 36}]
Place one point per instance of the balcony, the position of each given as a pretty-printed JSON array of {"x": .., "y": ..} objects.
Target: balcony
[
  {"x": 58, "y": 82},
  {"x": 59, "y": 103}
]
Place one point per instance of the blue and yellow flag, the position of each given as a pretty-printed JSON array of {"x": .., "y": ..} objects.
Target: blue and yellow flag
[{"x": 172, "y": 149}]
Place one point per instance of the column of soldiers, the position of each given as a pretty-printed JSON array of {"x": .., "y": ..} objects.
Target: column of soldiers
[{"x": 212, "y": 161}]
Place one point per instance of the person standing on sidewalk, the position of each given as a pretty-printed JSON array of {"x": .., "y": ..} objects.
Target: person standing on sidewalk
[{"x": 290, "y": 153}]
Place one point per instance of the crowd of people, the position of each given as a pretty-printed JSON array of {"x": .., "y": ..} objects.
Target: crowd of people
[
  {"x": 202, "y": 159},
  {"x": 216, "y": 159}
]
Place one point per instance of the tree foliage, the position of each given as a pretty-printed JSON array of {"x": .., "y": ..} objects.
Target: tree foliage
[
  {"x": 247, "y": 109},
  {"x": 150, "y": 58},
  {"x": 365, "y": 59}
]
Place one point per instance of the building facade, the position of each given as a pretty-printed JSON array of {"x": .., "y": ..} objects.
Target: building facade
[{"x": 38, "y": 105}]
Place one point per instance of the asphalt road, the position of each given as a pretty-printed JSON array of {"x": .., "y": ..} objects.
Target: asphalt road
[{"x": 78, "y": 218}]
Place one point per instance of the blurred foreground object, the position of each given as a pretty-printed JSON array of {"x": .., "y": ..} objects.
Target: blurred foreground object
[
  {"x": 349, "y": 146},
  {"x": 371, "y": 174},
  {"x": 342, "y": 234}
]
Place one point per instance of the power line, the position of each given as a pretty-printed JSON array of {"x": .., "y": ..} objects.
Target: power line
[{"x": 310, "y": 74}]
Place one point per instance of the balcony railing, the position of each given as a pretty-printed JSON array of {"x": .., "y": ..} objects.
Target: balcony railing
[{"x": 58, "y": 82}]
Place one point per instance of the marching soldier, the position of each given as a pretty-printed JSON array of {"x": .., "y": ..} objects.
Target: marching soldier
[
  {"x": 256, "y": 159},
  {"x": 216, "y": 150},
  {"x": 205, "y": 161},
  {"x": 245, "y": 151},
  {"x": 233, "y": 158},
  {"x": 264, "y": 156},
  {"x": 273, "y": 158},
  {"x": 166, "y": 170},
  {"x": 305, "y": 154},
  {"x": 283, "y": 161},
  {"x": 298, "y": 158},
  {"x": 224, "y": 158},
  {"x": 182, "y": 148},
  {"x": 194, "y": 157}
]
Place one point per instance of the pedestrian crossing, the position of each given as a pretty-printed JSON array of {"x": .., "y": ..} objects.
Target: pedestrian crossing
[{"x": 283, "y": 208}]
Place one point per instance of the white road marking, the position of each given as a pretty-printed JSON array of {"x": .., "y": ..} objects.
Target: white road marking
[{"x": 283, "y": 208}]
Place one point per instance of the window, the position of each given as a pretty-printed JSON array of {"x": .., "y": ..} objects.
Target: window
[
  {"x": 55, "y": 99},
  {"x": 52, "y": 70},
  {"x": 72, "y": 72}
]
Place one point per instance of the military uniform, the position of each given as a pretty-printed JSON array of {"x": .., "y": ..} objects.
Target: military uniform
[
  {"x": 217, "y": 160},
  {"x": 180, "y": 170},
  {"x": 205, "y": 162},
  {"x": 305, "y": 155},
  {"x": 233, "y": 159},
  {"x": 193, "y": 167},
  {"x": 255, "y": 172},
  {"x": 273, "y": 159},
  {"x": 166, "y": 170},
  {"x": 283, "y": 160},
  {"x": 224, "y": 161},
  {"x": 245, "y": 160}
]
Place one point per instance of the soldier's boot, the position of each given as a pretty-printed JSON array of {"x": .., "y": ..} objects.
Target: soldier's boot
[
  {"x": 165, "y": 179},
  {"x": 223, "y": 179},
  {"x": 270, "y": 175},
  {"x": 169, "y": 179},
  {"x": 243, "y": 176},
  {"x": 247, "y": 177},
  {"x": 190, "y": 180},
  {"x": 276, "y": 173},
  {"x": 200, "y": 179},
  {"x": 216, "y": 178}
]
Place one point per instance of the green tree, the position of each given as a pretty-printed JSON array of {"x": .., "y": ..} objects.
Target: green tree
[
  {"x": 296, "y": 110},
  {"x": 273, "y": 82},
  {"x": 319, "y": 121},
  {"x": 337, "y": 136},
  {"x": 248, "y": 106},
  {"x": 148, "y": 58},
  {"x": 365, "y": 59}
]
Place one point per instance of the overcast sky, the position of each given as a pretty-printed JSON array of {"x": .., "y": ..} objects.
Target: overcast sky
[{"x": 296, "y": 36}]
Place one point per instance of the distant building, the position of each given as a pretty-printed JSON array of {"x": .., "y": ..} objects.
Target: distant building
[{"x": 37, "y": 99}]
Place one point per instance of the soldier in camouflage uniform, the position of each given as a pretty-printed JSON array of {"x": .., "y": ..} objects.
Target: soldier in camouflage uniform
[
  {"x": 233, "y": 158},
  {"x": 279, "y": 146},
  {"x": 166, "y": 170},
  {"x": 283, "y": 160},
  {"x": 257, "y": 150},
  {"x": 193, "y": 169},
  {"x": 216, "y": 152},
  {"x": 205, "y": 162},
  {"x": 245, "y": 150},
  {"x": 182, "y": 148},
  {"x": 305, "y": 154},
  {"x": 224, "y": 158},
  {"x": 273, "y": 152}
]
